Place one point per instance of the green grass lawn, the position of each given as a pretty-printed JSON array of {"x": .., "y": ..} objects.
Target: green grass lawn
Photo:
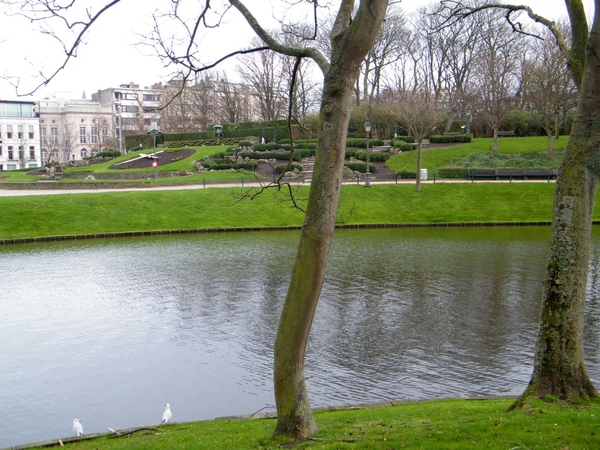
[
  {"x": 441, "y": 424},
  {"x": 71, "y": 214},
  {"x": 439, "y": 157}
]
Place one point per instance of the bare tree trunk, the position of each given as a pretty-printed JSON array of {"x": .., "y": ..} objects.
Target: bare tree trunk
[
  {"x": 550, "y": 137},
  {"x": 559, "y": 367},
  {"x": 351, "y": 40}
]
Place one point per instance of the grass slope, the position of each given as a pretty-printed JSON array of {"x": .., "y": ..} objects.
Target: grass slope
[
  {"x": 68, "y": 214},
  {"x": 442, "y": 424},
  {"x": 439, "y": 157}
]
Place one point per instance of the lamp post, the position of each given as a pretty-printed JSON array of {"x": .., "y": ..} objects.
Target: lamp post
[
  {"x": 154, "y": 131},
  {"x": 367, "y": 173},
  {"x": 120, "y": 129}
]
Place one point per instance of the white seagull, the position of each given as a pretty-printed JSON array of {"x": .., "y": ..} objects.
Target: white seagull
[
  {"x": 167, "y": 414},
  {"x": 77, "y": 427}
]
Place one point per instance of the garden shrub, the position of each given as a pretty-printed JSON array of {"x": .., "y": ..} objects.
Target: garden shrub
[
  {"x": 407, "y": 139},
  {"x": 359, "y": 166},
  {"x": 406, "y": 175},
  {"x": 362, "y": 142},
  {"x": 107, "y": 154},
  {"x": 226, "y": 164},
  {"x": 362, "y": 155},
  {"x": 441, "y": 139},
  {"x": 288, "y": 168},
  {"x": 453, "y": 173}
]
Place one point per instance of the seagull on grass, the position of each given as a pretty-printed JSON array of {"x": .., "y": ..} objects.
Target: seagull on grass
[
  {"x": 167, "y": 414},
  {"x": 77, "y": 427}
]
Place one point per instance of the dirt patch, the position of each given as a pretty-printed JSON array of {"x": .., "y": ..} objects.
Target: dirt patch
[{"x": 162, "y": 158}]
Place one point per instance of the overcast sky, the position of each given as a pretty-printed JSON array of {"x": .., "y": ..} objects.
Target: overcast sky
[{"x": 110, "y": 56}]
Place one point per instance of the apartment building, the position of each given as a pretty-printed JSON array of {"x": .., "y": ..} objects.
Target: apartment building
[
  {"x": 134, "y": 107},
  {"x": 72, "y": 129},
  {"x": 19, "y": 135}
]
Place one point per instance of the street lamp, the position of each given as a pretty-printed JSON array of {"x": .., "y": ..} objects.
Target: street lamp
[
  {"x": 120, "y": 129},
  {"x": 154, "y": 132},
  {"x": 367, "y": 173}
]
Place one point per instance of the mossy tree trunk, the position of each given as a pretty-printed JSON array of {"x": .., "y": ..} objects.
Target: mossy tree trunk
[
  {"x": 351, "y": 38},
  {"x": 559, "y": 367}
]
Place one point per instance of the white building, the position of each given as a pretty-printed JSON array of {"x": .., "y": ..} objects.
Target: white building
[
  {"x": 134, "y": 107},
  {"x": 71, "y": 130},
  {"x": 19, "y": 135}
]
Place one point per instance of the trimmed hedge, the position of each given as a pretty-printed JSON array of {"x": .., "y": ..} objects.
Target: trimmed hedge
[
  {"x": 288, "y": 168},
  {"x": 407, "y": 175},
  {"x": 460, "y": 138},
  {"x": 362, "y": 142},
  {"x": 401, "y": 145},
  {"x": 281, "y": 156},
  {"x": 359, "y": 166},
  {"x": 453, "y": 173},
  {"x": 226, "y": 164},
  {"x": 362, "y": 155}
]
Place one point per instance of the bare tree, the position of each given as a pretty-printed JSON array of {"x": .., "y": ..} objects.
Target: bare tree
[
  {"x": 559, "y": 368},
  {"x": 264, "y": 71},
  {"x": 550, "y": 88},
  {"x": 389, "y": 47},
  {"x": 496, "y": 78},
  {"x": 420, "y": 115}
]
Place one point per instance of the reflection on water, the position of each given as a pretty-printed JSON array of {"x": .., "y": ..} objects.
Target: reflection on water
[{"x": 110, "y": 331}]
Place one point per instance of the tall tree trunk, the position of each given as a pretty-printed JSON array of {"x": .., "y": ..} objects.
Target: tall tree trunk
[
  {"x": 559, "y": 367},
  {"x": 351, "y": 40}
]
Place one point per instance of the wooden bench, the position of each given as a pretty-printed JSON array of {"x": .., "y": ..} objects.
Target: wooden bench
[
  {"x": 481, "y": 174},
  {"x": 452, "y": 133},
  {"x": 511, "y": 174},
  {"x": 540, "y": 174},
  {"x": 506, "y": 134}
]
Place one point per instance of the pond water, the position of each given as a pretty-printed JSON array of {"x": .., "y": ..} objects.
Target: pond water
[{"x": 109, "y": 331}]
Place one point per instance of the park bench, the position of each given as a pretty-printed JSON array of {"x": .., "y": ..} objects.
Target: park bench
[
  {"x": 506, "y": 134},
  {"x": 511, "y": 174},
  {"x": 540, "y": 174},
  {"x": 452, "y": 133}
]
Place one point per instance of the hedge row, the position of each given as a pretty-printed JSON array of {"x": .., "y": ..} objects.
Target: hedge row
[
  {"x": 288, "y": 168},
  {"x": 226, "y": 164},
  {"x": 461, "y": 138},
  {"x": 362, "y": 155},
  {"x": 359, "y": 166},
  {"x": 362, "y": 142}
]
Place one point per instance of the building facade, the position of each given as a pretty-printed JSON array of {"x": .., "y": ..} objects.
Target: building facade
[
  {"x": 134, "y": 107},
  {"x": 19, "y": 135},
  {"x": 72, "y": 130}
]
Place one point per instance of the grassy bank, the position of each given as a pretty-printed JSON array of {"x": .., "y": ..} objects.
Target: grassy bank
[
  {"x": 435, "y": 158},
  {"x": 442, "y": 424},
  {"x": 58, "y": 215}
]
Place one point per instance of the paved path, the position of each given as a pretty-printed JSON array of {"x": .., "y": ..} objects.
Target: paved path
[{"x": 25, "y": 192}]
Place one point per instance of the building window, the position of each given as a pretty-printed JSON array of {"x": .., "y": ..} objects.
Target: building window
[
  {"x": 21, "y": 153},
  {"x": 44, "y": 155},
  {"x": 130, "y": 96},
  {"x": 104, "y": 133},
  {"x": 150, "y": 98},
  {"x": 82, "y": 136},
  {"x": 43, "y": 134},
  {"x": 30, "y": 131},
  {"x": 19, "y": 131},
  {"x": 10, "y": 152},
  {"x": 83, "y": 153},
  {"x": 94, "y": 135},
  {"x": 0, "y": 150},
  {"x": 55, "y": 154},
  {"x": 31, "y": 152},
  {"x": 54, "y": 135},
  {"x": 130, "y": 108},
  {"x": 9, "y": 131}
]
